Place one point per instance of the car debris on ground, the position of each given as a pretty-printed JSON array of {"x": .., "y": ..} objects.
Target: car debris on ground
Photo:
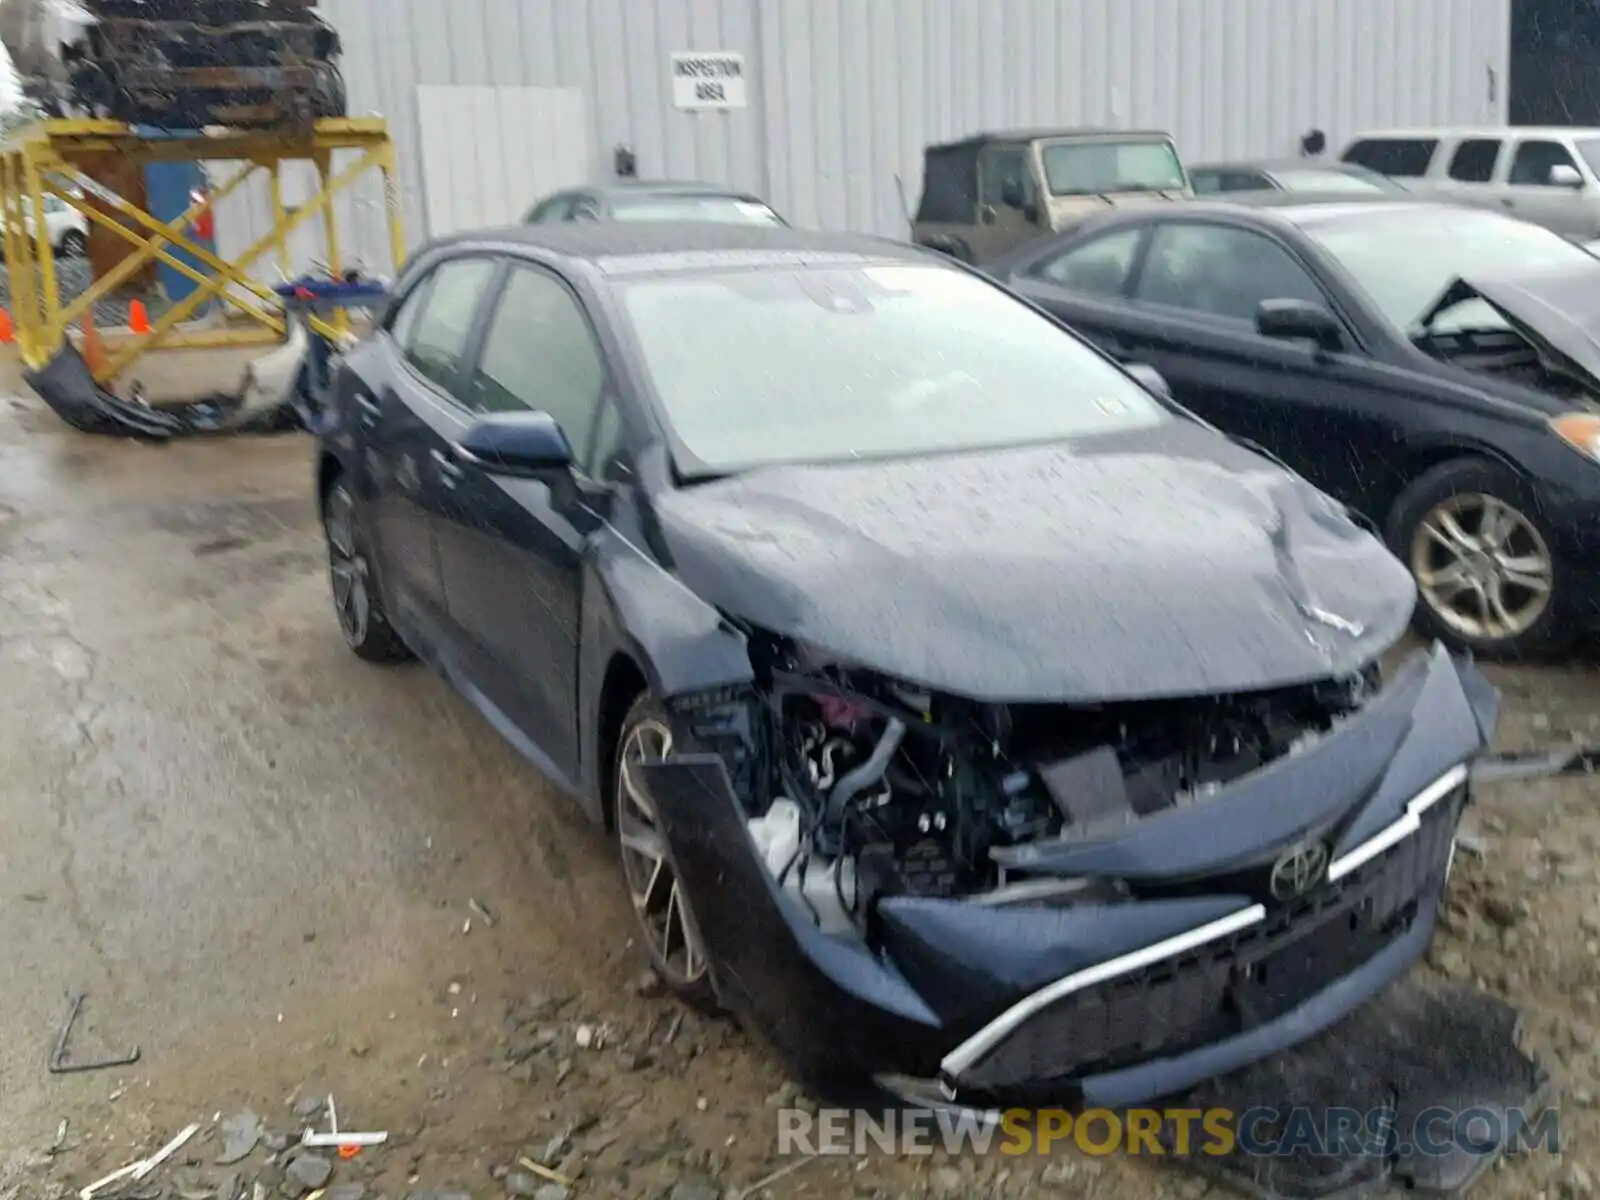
[
  {"x": 59, "y": 1062},
  {"x": 281, "y": 390}
]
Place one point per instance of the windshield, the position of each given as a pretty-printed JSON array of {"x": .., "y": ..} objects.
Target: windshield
[
  {"x": 1405, "y": 258},
  {"x": 827, "y": 363},
  {"x": 719, "y": 209},
  {"x": 1298, "y": 179},
  {"x": 1091, "y": 168}
]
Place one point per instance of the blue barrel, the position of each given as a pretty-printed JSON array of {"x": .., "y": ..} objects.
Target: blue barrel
[{"x": 171, "y": 187}]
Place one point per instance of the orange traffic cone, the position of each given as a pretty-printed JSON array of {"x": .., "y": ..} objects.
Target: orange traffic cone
[
  {"x": 8, "y": 335},
  {"x": 138, "y": 318},
  {"x": 94, "y": 351}
]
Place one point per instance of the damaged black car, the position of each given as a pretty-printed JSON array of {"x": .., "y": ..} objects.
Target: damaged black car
[
  {"x": 1433, "y": 365},
  {"x": 971, "y": 719}
]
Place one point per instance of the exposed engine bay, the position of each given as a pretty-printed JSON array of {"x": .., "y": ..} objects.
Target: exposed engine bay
[
  {"x": 865, "y": 788},
  {"x": 1486, "y": 332}
]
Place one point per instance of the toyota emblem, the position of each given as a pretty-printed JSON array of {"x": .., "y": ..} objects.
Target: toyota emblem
[{"x": 1298, "y": 871}]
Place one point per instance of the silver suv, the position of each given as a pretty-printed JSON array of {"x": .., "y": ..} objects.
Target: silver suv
[{"x": 1550, "y": 176}]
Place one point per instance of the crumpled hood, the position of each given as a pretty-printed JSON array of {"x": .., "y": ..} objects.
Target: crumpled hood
[
  {"x": 1557, "y": 310},
  {"x": 1166, "y": 562}
]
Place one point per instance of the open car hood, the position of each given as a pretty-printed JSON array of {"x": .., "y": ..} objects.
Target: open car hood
[
  {"x": 1558, "y": 311},
  {"x": 1164, "y": 562}
]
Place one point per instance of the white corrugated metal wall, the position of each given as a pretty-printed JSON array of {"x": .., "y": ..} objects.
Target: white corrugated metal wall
[{"x": 843, "y": 94}]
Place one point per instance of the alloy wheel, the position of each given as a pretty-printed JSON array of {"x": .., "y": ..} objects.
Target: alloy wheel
[
  {"x": 1482, "y": 566},
  {"x": 652, "y": 885},
  {"x": 347, "y": 569}
]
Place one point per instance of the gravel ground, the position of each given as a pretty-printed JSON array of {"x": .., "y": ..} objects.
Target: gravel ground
[
  {"x": 284, "y": 873},
  {"x": 73, "y": 276}
]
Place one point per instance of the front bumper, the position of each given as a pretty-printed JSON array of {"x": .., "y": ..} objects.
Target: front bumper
[{"x": 1108, "y": 1004}]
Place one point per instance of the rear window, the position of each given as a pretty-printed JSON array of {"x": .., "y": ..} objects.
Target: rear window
[
  {"x": 716, "y": 209},
  {"x": 1406, "y": 158},
  {"x": 1303, "y": 179}
]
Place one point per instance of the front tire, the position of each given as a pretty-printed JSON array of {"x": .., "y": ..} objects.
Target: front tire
[
  {"x": 659, "y": 906},
  {"x": 1487, "y": 578},
  {"x": 357, "y": 601},
  {"x": 74, "y": 244}
]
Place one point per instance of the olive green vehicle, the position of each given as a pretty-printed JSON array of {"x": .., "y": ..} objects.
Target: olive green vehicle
[{"x": 987, "y": 193}]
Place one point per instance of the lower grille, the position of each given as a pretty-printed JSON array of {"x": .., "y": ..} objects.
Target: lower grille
[{"x": 1231, "y": 985}]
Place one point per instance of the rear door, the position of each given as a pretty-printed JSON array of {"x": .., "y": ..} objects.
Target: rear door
[
  {"x": 405, "y": 416},
  {"x": 511, "y": 550}
]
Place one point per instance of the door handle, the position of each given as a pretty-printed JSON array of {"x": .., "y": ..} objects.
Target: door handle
[
  {"x": 368, "y": 410},
  {"x": 1508, "y": 202},
  {"x": 449, "y": 470}
]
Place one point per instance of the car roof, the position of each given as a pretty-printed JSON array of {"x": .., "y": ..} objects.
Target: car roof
[
  {"x": 691, "y": 244},
  {"x": 1480, "y": 131},
  {"x": 1278, "y": 164},
  {"x": 1033, "y": 135},
  {"x": 664, "y": 187}
]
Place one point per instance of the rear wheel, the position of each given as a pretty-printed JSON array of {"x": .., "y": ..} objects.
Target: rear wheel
[
  {"x": 356, "y": 599},
  {"x": 659, "y": 905},
  {"x": 74, "y": 244},
  {"x": 1487, "y": 578}
]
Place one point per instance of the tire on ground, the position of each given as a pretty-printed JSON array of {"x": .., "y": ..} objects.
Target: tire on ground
[{"x": 1469, "y": 475}]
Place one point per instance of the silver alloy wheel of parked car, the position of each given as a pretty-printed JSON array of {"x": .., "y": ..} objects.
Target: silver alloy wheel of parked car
[
  {"x": 1482, "y": 566},
  {"x": 652, "y": 885},
  {"x": 347, "y": 569}
]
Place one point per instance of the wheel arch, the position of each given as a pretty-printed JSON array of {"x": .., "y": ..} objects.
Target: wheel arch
[
  {"x": 1425, "y": 457},
  {"x": 329, "y": 471},
  {"x": 624, "y": 682}
]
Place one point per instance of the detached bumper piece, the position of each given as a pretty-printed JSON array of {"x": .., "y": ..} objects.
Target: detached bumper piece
[
  {"x": 67, "y": 385},
  {"x": 1414, "y": 1064}
]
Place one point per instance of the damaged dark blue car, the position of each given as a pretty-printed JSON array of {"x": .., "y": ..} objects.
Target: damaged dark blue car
[{"x": 971, "y": 718}]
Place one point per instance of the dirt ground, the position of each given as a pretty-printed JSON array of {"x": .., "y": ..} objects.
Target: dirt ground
[{"x": 269, "y": 866}]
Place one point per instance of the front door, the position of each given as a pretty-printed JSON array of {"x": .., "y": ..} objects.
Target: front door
[
  {"x": 407, "y": 423},
  {"x": 511, "y": 550},
  {"x": 1332, "y": 417},
  {"x": 1005, "y": 175}
]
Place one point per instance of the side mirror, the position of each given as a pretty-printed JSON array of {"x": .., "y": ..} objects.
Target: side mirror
[
  {"x": 1296, "y": 320},
  {"x": 1565, "y": 175},
  {"x": 1011, "y": 194},
  {"x": 519, "y": 444},
  {"x": 1149, "y": 378}
]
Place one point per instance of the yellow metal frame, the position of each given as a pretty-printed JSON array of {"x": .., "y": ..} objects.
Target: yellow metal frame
[{"x": 50, "y": 158}]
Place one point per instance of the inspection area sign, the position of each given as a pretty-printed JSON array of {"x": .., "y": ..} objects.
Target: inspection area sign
[{"x": 707, "y": 80}]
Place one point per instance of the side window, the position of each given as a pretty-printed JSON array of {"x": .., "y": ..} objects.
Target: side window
[
  {"x": 584, "y": 209},
  {"x": 1533, "y": 162},
  {"x": 1099, "y": 267},
  {"x": 444, "y": 323},
  {"x": 404, "y": 322},
  {"x": 1404, "y": 158},
  {"x": 1209, "y": 183},
  {"x": 1474, "y": 159},
  {"x": 541, "y": 355},
  {"x": 1220, "y": 270},
  {"x": 554, "y": 209},
  {"x": 1003, "y": 167}
]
